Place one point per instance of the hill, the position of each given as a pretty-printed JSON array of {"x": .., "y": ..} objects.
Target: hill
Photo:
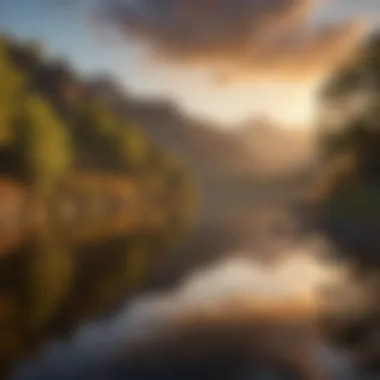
[
  {"x": 255, "y": 148},
  {"x": 55, "y": 129}
]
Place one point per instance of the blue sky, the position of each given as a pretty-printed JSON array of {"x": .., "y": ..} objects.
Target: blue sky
[
  {"x": 65, "y": 33},
  {"x": 68, "y": 32}
]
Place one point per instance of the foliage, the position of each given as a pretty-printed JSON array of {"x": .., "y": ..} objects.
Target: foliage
[
  {"x": 349, "y": 186},
  {"x": 350, "y": 124},
  {"x": 44, "y": 142},
  {"x": 52, "y": 125}
]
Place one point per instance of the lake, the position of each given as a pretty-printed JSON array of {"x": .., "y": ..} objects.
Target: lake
[{"x": 99, "y": 300}]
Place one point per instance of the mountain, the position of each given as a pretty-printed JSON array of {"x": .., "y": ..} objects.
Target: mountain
[
  {"x": 207, "y": 148},
  {"x": 254, "y": 149}
]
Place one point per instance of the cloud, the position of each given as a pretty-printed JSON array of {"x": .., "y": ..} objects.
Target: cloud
[{"x": 235, "y": 38}]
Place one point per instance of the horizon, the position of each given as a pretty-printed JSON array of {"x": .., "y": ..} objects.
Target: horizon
[{"x": 249, "y": 95}]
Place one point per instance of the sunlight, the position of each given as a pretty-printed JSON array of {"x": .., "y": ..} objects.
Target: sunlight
[{"x": 288, "y": 104}]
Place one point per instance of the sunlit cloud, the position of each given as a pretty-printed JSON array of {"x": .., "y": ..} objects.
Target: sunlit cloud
[{"x": 235, "y": 39}]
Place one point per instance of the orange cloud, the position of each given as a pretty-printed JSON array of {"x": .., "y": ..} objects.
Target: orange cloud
[{"x": 235, "y": 38}]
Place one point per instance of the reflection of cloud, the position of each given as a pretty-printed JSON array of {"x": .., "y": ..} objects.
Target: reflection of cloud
[
  {"x": 235, "y": 37},
  {"x": 225, "y": 307}
]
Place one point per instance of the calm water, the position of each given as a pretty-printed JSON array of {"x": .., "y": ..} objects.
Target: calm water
[
  {"x": 73, "y": 301},
  {"x": 54, "y": 280},
  {"x": 51, "y": 283}
]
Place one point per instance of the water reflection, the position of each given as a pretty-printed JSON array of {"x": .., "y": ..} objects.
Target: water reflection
[
  {"x": 51, "y": 282},
  {"x": 228, "y": 321},
  {"x": 56, "y": 275},
  {"x": 55, "y": 280}
]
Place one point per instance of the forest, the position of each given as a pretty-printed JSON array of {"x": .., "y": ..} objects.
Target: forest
[
  {"x": 348, "y": 186},
  {"x": 69, "y": 155}
]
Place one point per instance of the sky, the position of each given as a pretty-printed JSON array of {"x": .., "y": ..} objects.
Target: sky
[{"x": 223, "y": 60}]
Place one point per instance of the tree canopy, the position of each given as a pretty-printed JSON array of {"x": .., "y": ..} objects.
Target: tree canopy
[
  {"x": 350, "y": 111},
  {"x": 52, "y": 125},
  {"x": 350, "y": 149}
]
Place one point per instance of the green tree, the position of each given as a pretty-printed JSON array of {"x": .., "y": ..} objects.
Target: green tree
[
  {"x": 45, "y": 144},
  {"x": 350, "y": 110},
  {"x": 12, "y": 82},
  {"x": 349, "y": 142},
  {"x": 45, "y": 138},
  {"x": 133, "y": 147}
]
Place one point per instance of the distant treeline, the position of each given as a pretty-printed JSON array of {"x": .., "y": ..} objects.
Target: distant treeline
[{"x": 54, "y": 128}]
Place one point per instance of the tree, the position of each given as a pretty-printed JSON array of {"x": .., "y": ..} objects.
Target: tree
[
  {"x": 350, "y": 105},
  {"x": 44, "y": 142},
  {"x": 349, "y": 142},
  {"x": 46, "y": 139},
  {"x": 350, "y": 117},
  {"x": 12, "y": 82},
  {"x": 133, "y": 147}
]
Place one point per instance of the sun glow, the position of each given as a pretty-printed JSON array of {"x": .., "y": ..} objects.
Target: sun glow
[{"x": 290, "y": 104}]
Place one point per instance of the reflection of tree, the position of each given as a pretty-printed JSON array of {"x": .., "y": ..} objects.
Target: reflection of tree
[
  {"x": 35, "y": 279},
  {"x": 50, "y": 275},
  {"x": 110, "y": 271},
  {"x": 49, "y": 287}
]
